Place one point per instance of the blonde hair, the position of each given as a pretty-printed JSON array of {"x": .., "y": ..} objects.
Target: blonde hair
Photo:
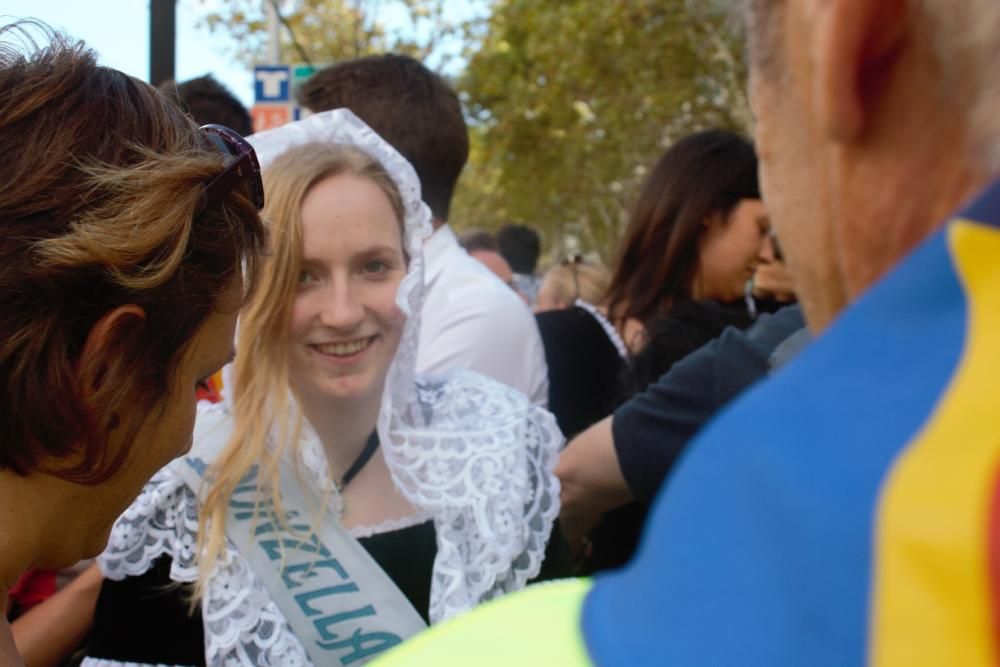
[
  {"x": 262, "y": 404},
  {"x": 576, "y": 279}
]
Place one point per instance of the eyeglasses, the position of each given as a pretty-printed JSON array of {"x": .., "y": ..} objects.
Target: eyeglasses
[{"x": 241, "y": 167}]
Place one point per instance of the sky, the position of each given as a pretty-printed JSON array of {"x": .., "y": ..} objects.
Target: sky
[{"x": 118, "y": 30}]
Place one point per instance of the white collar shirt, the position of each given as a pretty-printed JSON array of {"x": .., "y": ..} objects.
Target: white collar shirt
[{"x": 471, "y": 319}]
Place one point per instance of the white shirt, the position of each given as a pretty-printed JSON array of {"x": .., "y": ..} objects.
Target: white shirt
[{"x": 470, "y": 319}]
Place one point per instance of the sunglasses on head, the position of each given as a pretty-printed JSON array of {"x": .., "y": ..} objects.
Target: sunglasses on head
[
  {"x": 573, "y": 261},
  {"x": 241, "y": 167}
]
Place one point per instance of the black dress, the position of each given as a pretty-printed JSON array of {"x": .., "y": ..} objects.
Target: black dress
[{"x": 585, "y": 368}]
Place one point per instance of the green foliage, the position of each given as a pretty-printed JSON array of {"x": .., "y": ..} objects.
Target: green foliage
[
  {"x": 325, "y": 31},
  {"x": 571, "y": 100}
]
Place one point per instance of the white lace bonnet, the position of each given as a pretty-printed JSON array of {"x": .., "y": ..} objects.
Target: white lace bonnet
[
  {"x": 341, "y": 126},
  {"x": 492, "y": 523}
]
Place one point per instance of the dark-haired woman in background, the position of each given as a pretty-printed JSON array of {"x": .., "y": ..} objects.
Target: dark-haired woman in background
[
  {"x": 697, "y": 233},
  {"x": 128, "y": 240}
]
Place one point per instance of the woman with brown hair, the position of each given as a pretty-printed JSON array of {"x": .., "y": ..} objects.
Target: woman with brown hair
[
  {"x": 694, "y": 239},
  {"x": 697, "y": 232},
  {"x": 128, "y": 241}
]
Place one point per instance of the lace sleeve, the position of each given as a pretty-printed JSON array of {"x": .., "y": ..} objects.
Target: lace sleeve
[
  {"x": 162, "y": 520},
  {"x": 479, "y": 457},
  {"x": 243, "y": 625}
]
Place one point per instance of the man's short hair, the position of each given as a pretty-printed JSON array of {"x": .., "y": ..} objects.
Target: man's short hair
[
  {"x": 208, "y": 101},
  {"x": 966, "y": 41},
  {"x": 520, "y": 245},
  {"x": 477, "y": 239},
  {"x": 409, "y": 106},
  {"x": 762, "y": 22}
]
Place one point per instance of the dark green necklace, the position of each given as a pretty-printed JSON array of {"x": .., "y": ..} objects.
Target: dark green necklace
[{"x": 359, "y": 463}]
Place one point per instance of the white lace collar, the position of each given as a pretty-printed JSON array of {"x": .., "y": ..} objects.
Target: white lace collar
[{"x": 476, "y": 458}]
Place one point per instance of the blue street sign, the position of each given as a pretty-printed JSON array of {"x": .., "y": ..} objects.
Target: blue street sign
[{"x": 272, "y": 83}]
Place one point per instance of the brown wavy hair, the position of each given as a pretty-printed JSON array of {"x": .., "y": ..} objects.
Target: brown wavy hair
[
  {"x": 101, "y": 181},
  {"x": 703, "y": 174}
]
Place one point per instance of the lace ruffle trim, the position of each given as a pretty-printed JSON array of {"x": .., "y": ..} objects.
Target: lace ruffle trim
[
  {"x": 162, "y": 520},
  {"x": 391, "y": 525},
  {"x": 479, "y": 457}
]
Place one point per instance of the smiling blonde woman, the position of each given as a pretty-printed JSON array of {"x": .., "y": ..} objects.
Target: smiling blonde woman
[{"x": 335, "y": 503}]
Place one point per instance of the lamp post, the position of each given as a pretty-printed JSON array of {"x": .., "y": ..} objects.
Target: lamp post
[
  {"x": 273, "y": 41},
  {"x": 162, "y": 37}
]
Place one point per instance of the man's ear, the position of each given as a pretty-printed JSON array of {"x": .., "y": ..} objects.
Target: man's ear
[
  {"x": 104, "y": 344},
  {"x": 857, "y": 41}
]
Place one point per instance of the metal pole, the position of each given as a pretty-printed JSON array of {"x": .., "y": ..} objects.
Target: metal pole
[{"x": 162, "y": 36}]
